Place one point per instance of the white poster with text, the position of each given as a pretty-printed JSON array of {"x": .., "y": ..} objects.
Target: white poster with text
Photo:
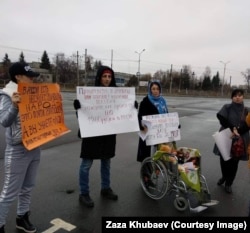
[
  {"x": 106, "y": 110},
  {"x": 163, "y": 128}
]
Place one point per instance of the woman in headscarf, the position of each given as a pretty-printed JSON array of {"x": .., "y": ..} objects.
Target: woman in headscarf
[{"x": 153, "y": 103}]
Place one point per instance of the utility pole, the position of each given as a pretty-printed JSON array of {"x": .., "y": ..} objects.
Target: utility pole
[
  {"x": 248, "y": 78},
  {"x": 180, "y": 81},
  {"x": 57, "y": 79},
  {"x": 193, "y": 75},
  {"x": 139, "y": 62},
  {"x": 77, "y": 64},
  {"x": 111, "y": 58},
  {"x": 222, "y": 86},
  {"x": 170, "y": 88},
  {"x": 85, "y": 61}
]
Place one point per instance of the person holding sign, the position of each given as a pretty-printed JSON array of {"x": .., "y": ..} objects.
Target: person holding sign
[
  {"x": 233, "y": 116},
  {"x": 153, "y": 103},
  {"x": 98, "y": 147},
  {"x": 20, "y": 164}
]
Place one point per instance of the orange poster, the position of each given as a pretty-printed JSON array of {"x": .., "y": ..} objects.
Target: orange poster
[{"x": 41, "y": 113}]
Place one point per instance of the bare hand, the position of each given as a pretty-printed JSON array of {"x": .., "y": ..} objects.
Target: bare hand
[
  {"x": 145, "y": 129},
  {"x": 16, "y": 99},
  {"x": 235, "y": 132}
]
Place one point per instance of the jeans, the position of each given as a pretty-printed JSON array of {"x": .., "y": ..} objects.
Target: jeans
[{"x": 84, "y": 174}]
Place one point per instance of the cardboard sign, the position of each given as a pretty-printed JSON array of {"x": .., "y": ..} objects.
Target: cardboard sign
[
  {"x": 41, "y": 113},
  {"x": 162, "y": 128},
  {"x": 106, "y": 110}
]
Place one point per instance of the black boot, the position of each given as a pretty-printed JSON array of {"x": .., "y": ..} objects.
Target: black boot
[
  {"x": 23, "y": 223},
  {"x": 228, "y": 188},
  {"x": 221, "y": 181},
  {"x": 109, "y": 194},
  {"x": 2, "y": 229}
]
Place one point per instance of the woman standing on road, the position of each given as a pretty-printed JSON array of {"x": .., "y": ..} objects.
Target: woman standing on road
[
  {"x": 153, "y": 103},
  {"x": 98, "y": 147},
  {"x": 233, "y": 116}
]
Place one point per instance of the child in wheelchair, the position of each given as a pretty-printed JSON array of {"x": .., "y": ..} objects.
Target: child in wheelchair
[{"x": 176, "y": 169}]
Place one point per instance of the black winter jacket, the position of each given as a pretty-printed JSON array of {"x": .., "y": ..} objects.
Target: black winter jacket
[
  {"x": 234, "y": 115},
  {"x": 100, "y": 147},
  {"x": 146, "y": 108}
]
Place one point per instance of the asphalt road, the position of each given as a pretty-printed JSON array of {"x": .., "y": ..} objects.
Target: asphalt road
[{"x": 56, "y": 193}]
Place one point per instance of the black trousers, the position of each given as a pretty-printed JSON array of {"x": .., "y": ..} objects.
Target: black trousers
[{"x": 229, "y": 169}]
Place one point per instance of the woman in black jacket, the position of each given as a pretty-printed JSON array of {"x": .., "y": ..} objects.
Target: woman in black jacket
[
  {"x": 233, "y": 116},
  {"x": 99, "y": 147},
  {"x": 153, "y": 103}
]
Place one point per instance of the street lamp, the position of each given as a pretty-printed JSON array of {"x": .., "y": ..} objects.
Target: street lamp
[
  {"x": 222, "y": 86},
  {"x": 139, "y": 61},
  {"x": 193, "y": 76}
]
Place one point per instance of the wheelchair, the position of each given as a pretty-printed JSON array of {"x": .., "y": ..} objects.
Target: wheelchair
[{"x": 176, "y": 171}]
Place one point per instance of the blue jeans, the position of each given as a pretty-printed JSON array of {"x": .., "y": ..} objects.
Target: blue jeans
[{"x": 84, "y": 174}]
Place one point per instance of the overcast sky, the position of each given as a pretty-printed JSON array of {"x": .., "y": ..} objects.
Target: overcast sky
[{"x": 198, "y": 33}]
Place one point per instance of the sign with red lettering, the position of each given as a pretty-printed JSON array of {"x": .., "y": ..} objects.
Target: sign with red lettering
[
  {"x": 106, "y": 110},
  {"x": 41, "y": 113}
]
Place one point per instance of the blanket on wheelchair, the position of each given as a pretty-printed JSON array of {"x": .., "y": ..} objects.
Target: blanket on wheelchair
[{"x": 188, "y": 161}]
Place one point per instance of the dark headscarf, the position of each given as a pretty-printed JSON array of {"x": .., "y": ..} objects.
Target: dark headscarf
[{"x": 99, "y": 74}]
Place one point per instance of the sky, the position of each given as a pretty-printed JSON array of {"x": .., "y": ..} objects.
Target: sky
[{"x": 174, "y": 33}]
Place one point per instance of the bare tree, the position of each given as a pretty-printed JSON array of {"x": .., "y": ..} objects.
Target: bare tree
[
  {"x": 66, "y": 69},
  {"x": 89, "y": 62},
  {"x": 186, "y": 74},
  {"x": 246, "y": 76}
]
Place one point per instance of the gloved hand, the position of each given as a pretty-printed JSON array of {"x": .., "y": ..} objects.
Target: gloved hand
[
  {"x": 136, "y": 104},
  {"x": 77, "y": 104}
]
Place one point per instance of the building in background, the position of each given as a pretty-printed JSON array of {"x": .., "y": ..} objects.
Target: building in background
[
  {"x": 45, "y": 75},
  {"x": 120, "y": 78}
]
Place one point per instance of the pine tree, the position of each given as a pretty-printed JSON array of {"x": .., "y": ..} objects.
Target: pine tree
[
  {"x": 6, "y": 60},
  {"x": 6, "y": 66},
  {"x": 97, "y": 64},
  {"x": 45, "y": 61},
  {"x": 21, "y": 57}
]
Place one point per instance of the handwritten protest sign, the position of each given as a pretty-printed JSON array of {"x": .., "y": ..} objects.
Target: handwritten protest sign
[
  {"x": 106, "y": 110},
  {"x": 41, "y": 113},
  {"x": 162, "y": 128}
]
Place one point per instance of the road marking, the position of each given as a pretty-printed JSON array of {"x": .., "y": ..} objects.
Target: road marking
[{"x": 59, "y": 224}]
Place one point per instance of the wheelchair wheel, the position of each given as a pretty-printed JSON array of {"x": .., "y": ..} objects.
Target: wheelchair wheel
[
  {"x": 181, "y": 204},
  {"x": 154, "y": 178}
]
